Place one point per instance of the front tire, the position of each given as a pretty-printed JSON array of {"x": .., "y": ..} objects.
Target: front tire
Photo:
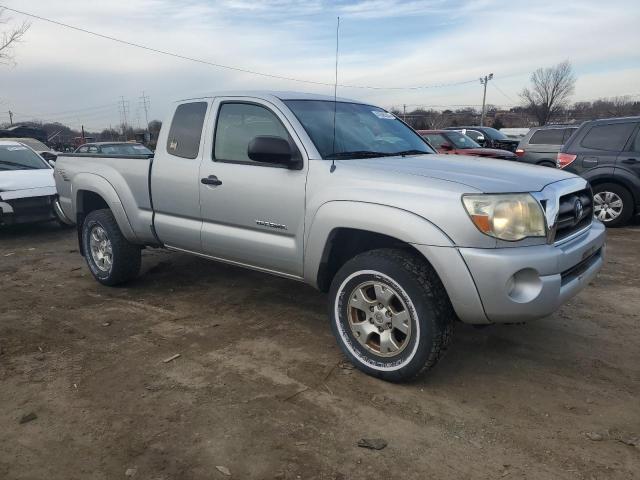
[
  {"x": 110, "y": 257},
  {"x": 390, "y": 314},
  {"x": 612, "y": 204}
]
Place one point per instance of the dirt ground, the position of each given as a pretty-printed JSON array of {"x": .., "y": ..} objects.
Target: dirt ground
[{"x": 261, "y": 388}]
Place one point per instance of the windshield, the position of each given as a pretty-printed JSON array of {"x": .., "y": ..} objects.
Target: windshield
[
  {"x": 495, "y": 134},
  {"x": 361, "y": 131},
  {"x": 461, "y": 141},
  {"x": 125, "y": 149},
  {"x": 19, "y": 157},
  {"x": 35, "y": 144}
]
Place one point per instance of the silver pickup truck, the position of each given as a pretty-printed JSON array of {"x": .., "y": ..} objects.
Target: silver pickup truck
[{"x": 347, "y": 198}]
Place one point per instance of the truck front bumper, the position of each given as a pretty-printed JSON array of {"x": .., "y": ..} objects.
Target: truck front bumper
[{"x": 524, "y": 283}]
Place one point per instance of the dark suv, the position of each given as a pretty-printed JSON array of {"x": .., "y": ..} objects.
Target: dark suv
[
  {"x": 607, "y": 153},
  {"x": 540, "y": 146}
]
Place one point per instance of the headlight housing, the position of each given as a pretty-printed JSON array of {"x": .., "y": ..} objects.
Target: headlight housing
[{"x": 511, "y": 216}]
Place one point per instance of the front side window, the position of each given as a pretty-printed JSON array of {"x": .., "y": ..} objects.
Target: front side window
[
  {"x": 474, "y": 135},
  {"x": 238, "y": 124},
  {"x": 83, "y": 149},
  {"x": 361, "y": 131},
  {"x": 19, "y": 157},
  {"x": 549, "y": 136},
  {"x": 610, "y": 137},
  {"x": 186, "y": 130}
]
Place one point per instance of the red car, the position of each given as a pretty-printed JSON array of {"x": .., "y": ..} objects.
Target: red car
[{"x": 452, "y": 142}]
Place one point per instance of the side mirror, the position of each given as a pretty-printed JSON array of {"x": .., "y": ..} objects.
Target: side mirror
[
  {"x": 51, "y": 162},
  {"x": 270, "y": 149}
]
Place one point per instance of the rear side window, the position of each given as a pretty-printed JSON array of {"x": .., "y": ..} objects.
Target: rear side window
[
  {"x": 610, "y": 137},
  {"x": 549, "y": 136},
  {"x": 186, "y": 130}
]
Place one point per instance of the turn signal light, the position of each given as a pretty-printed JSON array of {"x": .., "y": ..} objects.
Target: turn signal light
[{"x": 565, "y": 159}]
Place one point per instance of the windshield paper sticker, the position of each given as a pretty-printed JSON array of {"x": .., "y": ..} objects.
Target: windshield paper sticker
[{"x": 383, "y": 115}]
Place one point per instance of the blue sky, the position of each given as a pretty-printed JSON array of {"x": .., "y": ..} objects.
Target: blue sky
[{"x": 68, "y": 76}]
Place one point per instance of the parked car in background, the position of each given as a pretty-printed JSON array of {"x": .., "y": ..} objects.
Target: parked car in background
[
  {"x": 27, "y": 187},
  {"x": 515, "y": 133},
  {"x": 607, "y": 153},
  {"x": 451, "y": 142},
  {"x": 405, "y": 241},
  {"x": 37, "y": 146},
  {"x": 114, "y": 148},
  {"x": 488, "y": 137},
  {"x": 541, "y": 145}
]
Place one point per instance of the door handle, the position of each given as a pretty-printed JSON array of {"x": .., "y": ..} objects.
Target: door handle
[
  {"x": 630, "y": 161},
  {"x": 211, "y": 180}
]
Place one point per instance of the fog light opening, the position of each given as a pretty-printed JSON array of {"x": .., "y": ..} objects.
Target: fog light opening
[{"x": 524, "y": 285}]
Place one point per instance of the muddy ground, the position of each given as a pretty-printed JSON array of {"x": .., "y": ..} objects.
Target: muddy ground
[{"x": 261, "y": 388}]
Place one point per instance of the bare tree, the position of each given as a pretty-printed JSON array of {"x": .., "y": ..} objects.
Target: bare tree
[
  {"x": 10, "y": 38},
  {"x": 550, "y": 91}
]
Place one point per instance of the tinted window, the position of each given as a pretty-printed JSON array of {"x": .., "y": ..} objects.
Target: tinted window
[
  {"x": 549, "y": 136},
  {"x": 473, "y": 134},
  {"x": 238, "y": 124},
  {"x": 19, "y": 157},
  {"x": 359, "y": 129},
  {"x": 610, "y": 137},
  {"x": 186, "y": 130},
  {"x": 436, "y": 139}
]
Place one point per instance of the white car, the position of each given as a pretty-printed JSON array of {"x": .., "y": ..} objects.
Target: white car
[{"x": 27, "y": 188}]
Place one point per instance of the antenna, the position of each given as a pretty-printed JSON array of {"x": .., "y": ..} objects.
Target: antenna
[{"x": 335, "y": 98}]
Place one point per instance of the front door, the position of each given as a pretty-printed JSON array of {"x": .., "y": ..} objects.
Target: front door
[{"x": 252, "y": 213}]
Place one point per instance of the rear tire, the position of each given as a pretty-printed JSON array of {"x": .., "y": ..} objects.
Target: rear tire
[
  {"x": 111, "y": 258},
  {"x": 607, "y": 198},
  {"x": 547, "y": 164},
  {"x": 390, "y": 314}
]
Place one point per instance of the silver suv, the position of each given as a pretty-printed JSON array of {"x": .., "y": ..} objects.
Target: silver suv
[{"x": 347, "y": 198}]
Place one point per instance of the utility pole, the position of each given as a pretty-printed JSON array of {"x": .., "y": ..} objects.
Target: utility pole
[
  {"x": 484, "y": 81},
  {"x": 404, "y": 113},
  {"x": 10, "y": 117},
  {"x": 145, "y": 104},
  {"x": 123, "y": 116}
]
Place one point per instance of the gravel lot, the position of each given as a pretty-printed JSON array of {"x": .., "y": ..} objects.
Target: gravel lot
[{"x": 261, "y": 389}]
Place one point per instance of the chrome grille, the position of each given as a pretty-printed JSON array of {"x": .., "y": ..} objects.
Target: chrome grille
[{"x": 570, "y": 219}]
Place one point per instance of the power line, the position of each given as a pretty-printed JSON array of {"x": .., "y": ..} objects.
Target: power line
[
  {"x": 503, "y": 94},
  {"x": 228, "y": 67}
]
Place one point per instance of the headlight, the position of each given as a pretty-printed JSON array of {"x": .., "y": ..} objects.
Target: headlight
[{"x": 511, "y": 217}]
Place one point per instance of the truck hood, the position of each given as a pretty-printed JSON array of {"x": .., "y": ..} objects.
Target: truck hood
[
  {"x": 483, "y": 174},
  {"x": 26, "y": 183}
]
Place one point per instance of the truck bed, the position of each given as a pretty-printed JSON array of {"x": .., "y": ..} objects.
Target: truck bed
[{"x": 123, "y": 178}]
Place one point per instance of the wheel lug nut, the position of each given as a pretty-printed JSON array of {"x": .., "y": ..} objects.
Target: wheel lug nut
[
  {"x": 388, "y": 313},
  {"x": 380, "y": 305},
  {"x": 380, "y": 329},
  {"x": 371, "y": 309}
]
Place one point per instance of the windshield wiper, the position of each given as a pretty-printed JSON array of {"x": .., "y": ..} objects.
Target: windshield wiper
[
  {"x": 411, "y": 152},
  {"x": 14, "y": 164},
  {"x": 358, "y": 154}
]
